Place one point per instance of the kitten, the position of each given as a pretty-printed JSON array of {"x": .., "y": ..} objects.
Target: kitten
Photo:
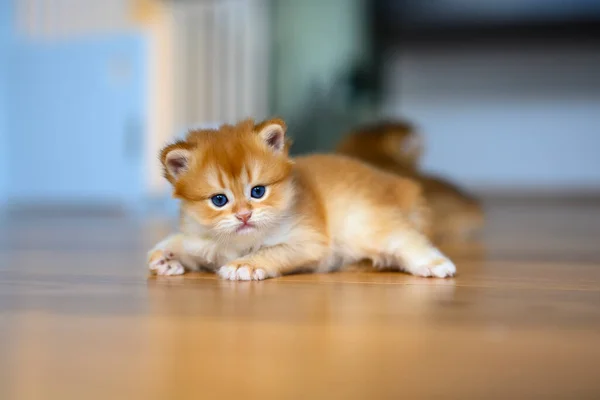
[
  {"x": 397, "y": 148},
  {"x": 250, "y": 212}
]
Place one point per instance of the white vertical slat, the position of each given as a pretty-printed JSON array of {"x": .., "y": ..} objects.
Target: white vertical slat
[
  {"x": 263, "y": 60},
  {"x": 62, "y": 23},
  {"x": 105, "y": 14},
  {"x": 122, "y": 14},
  {"x": 43, "y": 16},
  {"x": 231, "y": 81},
  {"x": 180, "y": 66},
  {"x": 49, "y": 19},
  {"x": 255, "y": 62},
  {"x": 36, "y": 18},
  {"x": 203, "y": 57},
  {"x": 78, "y": 10},
  {"x": 108, "y": 14},
  {"x": 222, "y": 54},
  {"x": 109, "y": 11},
  {"x": 249, "y": 69},
  {"x": 54, "y": 7},
  {"x": 24, "y": 16},
  {"x": 193, "y": 59},
  {"x": 82, "y": 10},
  {"x": 239, "y": 65},
  {"x": 215, "y": 58}
]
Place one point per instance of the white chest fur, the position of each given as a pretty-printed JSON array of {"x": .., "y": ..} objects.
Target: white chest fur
[{"x": 212, "y": 254}]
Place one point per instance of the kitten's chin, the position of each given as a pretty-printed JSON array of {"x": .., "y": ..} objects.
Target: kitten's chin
[{"x": 246, "y": 230}]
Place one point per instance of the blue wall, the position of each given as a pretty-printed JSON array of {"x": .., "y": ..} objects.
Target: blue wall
[
  {"x": 72, "y": 116},
  {"x": 78, "y": 107}
]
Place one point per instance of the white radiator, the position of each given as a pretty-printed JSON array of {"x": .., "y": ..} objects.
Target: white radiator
[{"x": 222, "y": 61}]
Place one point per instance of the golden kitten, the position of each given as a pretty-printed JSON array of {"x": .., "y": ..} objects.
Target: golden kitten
[
  {"x": 250, "y": 212},
  {"x": 397, "y": 147}
]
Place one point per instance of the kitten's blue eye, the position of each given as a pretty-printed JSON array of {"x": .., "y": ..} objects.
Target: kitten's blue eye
[
  {"x": 257, "y": 192},
  {"x": 219, "y": 200}
]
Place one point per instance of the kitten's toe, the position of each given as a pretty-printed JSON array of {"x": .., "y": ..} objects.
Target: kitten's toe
[
  {"x": 445, "y": 269},
  {"x": 162, "y": 263},
  {"x": 171, "y": 268},
  {"x": 259, "y": 274},
  {"x": 241, "y": 273},
  {"x": 439, "y": 268},
  {"x": 227, "y": 272},
  {"x": 167, "y": 268}
]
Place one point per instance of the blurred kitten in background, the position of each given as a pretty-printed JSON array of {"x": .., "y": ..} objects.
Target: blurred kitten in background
[{"x": 397, "y": 147}]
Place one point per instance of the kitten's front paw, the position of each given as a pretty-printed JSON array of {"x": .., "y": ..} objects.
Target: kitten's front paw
[
  {"x": 162, "y": 262},
  {"x": 438, "y": 268},
  {"x": 242, "y": 272}
]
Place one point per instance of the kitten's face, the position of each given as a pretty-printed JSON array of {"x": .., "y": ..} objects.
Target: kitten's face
[{"x": 234, "y": 181}]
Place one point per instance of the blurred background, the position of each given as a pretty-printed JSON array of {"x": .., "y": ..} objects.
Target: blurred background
[{"x": 505, "y": 92}]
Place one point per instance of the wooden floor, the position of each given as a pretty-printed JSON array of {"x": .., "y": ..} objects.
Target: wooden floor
[{"x": 79, "y": 319}]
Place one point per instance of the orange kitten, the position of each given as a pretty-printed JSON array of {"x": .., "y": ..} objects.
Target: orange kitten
[
  {"x": 397, "y": 148},
  {"x": 249, "y": 212}
]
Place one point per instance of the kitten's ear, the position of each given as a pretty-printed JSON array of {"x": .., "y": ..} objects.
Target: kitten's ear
[
  {"x": 272, "y": 132},
  {"x": 175, "y": 159}
]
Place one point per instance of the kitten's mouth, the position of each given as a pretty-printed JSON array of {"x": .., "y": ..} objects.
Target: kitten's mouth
[{"x": 245, "y": 228}]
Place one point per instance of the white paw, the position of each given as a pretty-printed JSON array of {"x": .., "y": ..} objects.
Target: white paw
[
  {"x": 242, "y": 273},
  {"x": 439, "y": 268},
  {"x": 163, "y": 263}
]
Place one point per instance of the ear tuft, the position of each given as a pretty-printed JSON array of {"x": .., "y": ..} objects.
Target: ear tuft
[
  {"x": 272, "y": 132},
  {"x": 175, "y": 159}
]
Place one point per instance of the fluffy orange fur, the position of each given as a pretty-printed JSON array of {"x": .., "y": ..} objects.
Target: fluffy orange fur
[
  {"x": 397, "y": 147},
  {"x": 316, "y": 213}
]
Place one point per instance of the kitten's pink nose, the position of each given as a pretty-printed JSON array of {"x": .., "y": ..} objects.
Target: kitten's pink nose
[{"x": 244, "y": 216}]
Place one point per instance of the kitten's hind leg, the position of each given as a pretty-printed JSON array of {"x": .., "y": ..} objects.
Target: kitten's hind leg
[{"x": 409, "y": 250}]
